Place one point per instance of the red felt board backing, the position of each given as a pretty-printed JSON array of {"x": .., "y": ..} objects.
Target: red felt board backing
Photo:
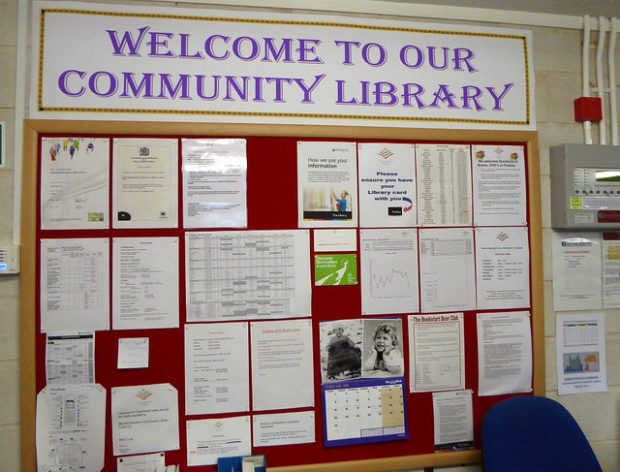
[{"x": 272, "y": 205}]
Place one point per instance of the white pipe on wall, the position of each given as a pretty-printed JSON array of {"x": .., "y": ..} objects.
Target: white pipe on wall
[
  {"x": 585, "y": 75},
  {"x": 611, "y": 65},
  {"x": 600, "y": 46}
]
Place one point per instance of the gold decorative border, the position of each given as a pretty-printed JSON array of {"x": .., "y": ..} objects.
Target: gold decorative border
[{"x": 40, "y": 81}]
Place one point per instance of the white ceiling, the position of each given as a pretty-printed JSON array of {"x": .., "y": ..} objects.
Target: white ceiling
[{"x": 607, "y": 8}]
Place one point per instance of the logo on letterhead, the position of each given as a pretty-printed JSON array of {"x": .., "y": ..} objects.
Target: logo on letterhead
[
  {"x": 385, "y": 153},
  {"x": 143, "y": 394},
  {"x": 502, "y": 236}
]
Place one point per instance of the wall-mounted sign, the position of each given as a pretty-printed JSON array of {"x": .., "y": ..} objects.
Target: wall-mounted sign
[{"x": 127, "y": 63}]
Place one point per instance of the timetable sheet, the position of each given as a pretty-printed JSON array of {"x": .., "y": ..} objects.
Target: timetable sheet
[
  {"x": 75, "y": 285},
  {"x": 235, "y": 275}
]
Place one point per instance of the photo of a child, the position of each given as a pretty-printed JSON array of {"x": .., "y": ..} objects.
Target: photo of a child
[
  {"x": 361, "y": 348},
  {"x": 382, "y": 352}
]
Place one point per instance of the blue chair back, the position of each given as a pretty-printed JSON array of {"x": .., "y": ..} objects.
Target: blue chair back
[{"x": 534, "y": 434}]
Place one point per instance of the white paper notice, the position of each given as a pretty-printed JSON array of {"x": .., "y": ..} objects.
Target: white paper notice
[
  {"x": 577, "y": 271},
  {"x": 453, "y": 420},
  {"x": 389, "y": 271},
  {"x": 326, "y": 184},
  {"x": 75, "y": 285},
  {"x": 71, "y": 428},
  {"x": 142, "y": 463},
  {"x": 335, "y": 240},
  {"x": 214, "y": 183},
  {"x": 582, "y": 367},
  {"x": 242, "y": 275},
  {"x": 70, "y": 359},
  {"x": 145, "y": 184},
  {"x": 145, "y": 283},
  {"x": 133, "y": 353},
  {"x": 499, "y": 185},
  {"x": 217, "y": 375},
  {"x": 436, "y": 352},
  {"x": 503, "y": 268},
  {"x": 447, "y": 275},
  {"x": 74, "y": 183},
  {"x": 207, "y": 440},
  {"x": 611, "y": 270},
  {"x": 444, "y": 185},
  {"x": 284, "y": 429},
  {"x": 387, "y": 185},
  {"x": 504, "y": 353},
  {"x": 145, "y": 418},
  {"x": 282, "y": 372}
]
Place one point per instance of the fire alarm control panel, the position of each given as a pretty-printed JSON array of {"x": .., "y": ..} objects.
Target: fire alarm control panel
[{"x": 585, "y": 186}]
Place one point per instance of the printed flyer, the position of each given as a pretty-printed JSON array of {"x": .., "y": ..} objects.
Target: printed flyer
[
  {"x": 327, "y": 184},
  {"x": 387, "y": 185}
]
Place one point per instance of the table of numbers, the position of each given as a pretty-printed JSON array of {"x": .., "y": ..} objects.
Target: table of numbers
[{"x": 364, "y": 411}]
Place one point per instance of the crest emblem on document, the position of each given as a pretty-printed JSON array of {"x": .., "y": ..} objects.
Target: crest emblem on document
[
  {"x": 385, "y": 153},
  {"x": 143, "y": 394},
  {"x": 502, "y": 236}
]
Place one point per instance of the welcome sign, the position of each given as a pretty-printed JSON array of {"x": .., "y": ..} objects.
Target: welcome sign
[{"x": 126, "y": 63}]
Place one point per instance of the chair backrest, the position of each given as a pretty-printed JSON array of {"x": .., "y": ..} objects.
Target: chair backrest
[{"x": 532, "y": 434}]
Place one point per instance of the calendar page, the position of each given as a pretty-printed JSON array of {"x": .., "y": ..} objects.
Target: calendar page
[{"x": 364, "y": 411}]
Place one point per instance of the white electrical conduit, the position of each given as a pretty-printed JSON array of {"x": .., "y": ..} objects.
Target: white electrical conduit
[
  {"x": 600, "y": 46},
  {"x": 611, "y": 65},
  {"x": 585, "y": 75}
]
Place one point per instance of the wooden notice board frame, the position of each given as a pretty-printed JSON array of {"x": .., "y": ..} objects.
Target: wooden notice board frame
[{"x": 28, "y": 296}]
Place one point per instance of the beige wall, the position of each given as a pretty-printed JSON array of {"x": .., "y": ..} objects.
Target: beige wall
[
  {"x": 557, "y": 66},
  {"x": 9, "y": 285}
]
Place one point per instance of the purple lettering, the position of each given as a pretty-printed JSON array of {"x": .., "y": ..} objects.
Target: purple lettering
[
  {"x": 99, "y": 86},
  {"x": 182, "y": 87},
  {"x": 258, "y": 90},
  {"x": 341, "y": 100},
  {"x": 463, "y": 55},
  {"x": 385, "y": 91},
  {"x": 64, "y": 79},
  {"x": 279, "y": 85},
  {"x": 307, "y": 48},
  {"x": 498, "y": 98},
  {"x": 412, "y": 91},
  {"x": 144, "y": 88},
  {"x": 273, "y": 54},
  {"x": 472, "y": 93},
  {"x": 240, "y": 89},
  {"x": 307, "y": 90},
  {"x": 185, "y": 47},
  {"x": 127, "y": 41},
  {"x": 347, "y": 50},
  {"x": 366, "y": 54},
  {"x": 433, "y": 60},
  {"x": 200, "y": 87},
  {"x": 411, "y": 56},
  {"x": 158, "y": 42},
  {"x": 443, "y": 94},
  {"x": 238, "y": 48},
  {"x": 209, "y": 47}
]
